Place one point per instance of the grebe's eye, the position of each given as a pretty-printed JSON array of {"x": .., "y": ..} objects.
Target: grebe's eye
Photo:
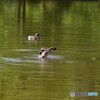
[{"x": 42, "y": 50}]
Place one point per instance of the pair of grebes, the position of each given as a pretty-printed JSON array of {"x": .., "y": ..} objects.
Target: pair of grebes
[{"x": 43, "y": 53}]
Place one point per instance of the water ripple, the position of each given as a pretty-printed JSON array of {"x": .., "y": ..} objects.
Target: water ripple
[
  {"x": 28, "y": 59},
  {"x": 22, "y": 50}
]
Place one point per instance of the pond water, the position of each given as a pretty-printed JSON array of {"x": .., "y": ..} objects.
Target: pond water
[{"x": 72, "y": 27}]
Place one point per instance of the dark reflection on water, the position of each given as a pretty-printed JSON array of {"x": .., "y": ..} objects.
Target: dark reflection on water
[{"x": 72, "y": 27}]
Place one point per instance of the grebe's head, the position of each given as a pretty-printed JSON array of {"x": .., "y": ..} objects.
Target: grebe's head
[
  {"x": 42, "y": 50},
  {"x": 37, "y": 34},
  {"x": 53, "y": 48}
]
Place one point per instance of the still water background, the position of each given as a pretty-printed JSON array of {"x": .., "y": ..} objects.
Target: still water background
[{"x": 72, "y": 27}]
